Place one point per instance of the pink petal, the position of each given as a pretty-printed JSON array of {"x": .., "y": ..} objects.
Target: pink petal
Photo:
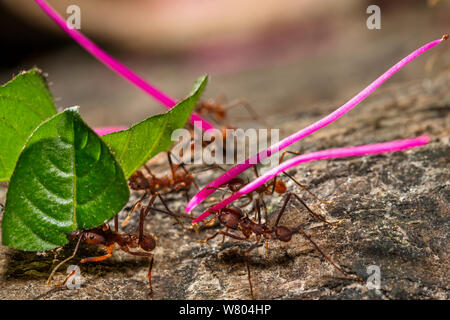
[
  {"x": 101, "y": 131},
  {"x": 210, "y": 188}
]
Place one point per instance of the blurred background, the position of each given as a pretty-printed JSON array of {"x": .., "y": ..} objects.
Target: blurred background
[{"x": 284, "y": 56}]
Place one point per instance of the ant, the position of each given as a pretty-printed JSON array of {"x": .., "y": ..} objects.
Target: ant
[
  {"x": 233, "y": 218},
  {"x": 154, "y": 186},
  {"x": 104, "y": 236},
  {"x": 218, "y": 109},
  {"x": 167, "y": 184}
]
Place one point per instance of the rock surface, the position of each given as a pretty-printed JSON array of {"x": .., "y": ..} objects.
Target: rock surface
[{"x": 395, "y": 211}]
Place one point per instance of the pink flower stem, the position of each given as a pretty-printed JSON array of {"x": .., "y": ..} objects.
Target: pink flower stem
[
  {"x": 101, "y": 131},
  {"x": 210, "y": 188},
  {"x": 115, "y": 65},
  {"x": 363, "y": 150}
]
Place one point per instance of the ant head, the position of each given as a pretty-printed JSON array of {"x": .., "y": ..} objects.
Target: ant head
[
  {"x": 73, "y": 235},
  {"x": 230, "y": 217},
  {"x": 235, "y": 184},
  {"x": 147, "y": 243},
  {"x": 93, "y": 238},
  {"x": 280, "y": 187},
  {"x": 283, "y": 234},
  {"x": 138, "y": 181}
]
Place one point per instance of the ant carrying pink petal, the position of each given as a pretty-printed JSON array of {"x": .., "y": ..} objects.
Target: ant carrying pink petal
[
  {"x": 368, "y": 149},
  {"x": 353, "y": 102}
]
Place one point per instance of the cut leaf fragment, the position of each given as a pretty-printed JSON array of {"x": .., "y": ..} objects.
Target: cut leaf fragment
[
  {"x": 25, "y": 102},
  {"x": 66, "y": 179},
  {"x": 135, "y": 146}
]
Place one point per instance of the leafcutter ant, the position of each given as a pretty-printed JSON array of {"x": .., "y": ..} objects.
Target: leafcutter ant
[
  {"x": 218, "y": 109},
  {"x": 234, "y": 218},
  {"x": 107, "y": 238}
]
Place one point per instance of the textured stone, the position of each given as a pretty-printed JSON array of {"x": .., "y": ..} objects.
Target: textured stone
[{"x": 394, "y": 208}]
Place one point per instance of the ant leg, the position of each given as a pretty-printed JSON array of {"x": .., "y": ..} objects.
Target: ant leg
[
  {"x": 109, "y": 250},
  {"x": 248, "y": 107},
  {"x": 258, "y": 217},
  {"x": 172, "y": 169},
  {"x": 313, "y": 213},
  {"x": 210, "y": 167},
  {"x": 135, "y": 207},
  {"x": 283, "y": 208},
  {"x": 257, "y": 209},
  {"x": 247, "y": 252},
  {"x": 169, "y": 212},
  {"x": 306, "y": 189},
  {"x": 220, "y": 189},
  {"x": 303, "y": 233},
  {"x": 149, "y": 171},
  {"x": 224, "y": 234},
  {"x": 255, "y": 169},
  {"x": 149, "y": 275},
  {"x": 143, "y": 254},
  {"x": 142, "y": 216},
  {"x": 64, "y": 261},
  {"x": 116, "y": 223},
  {"x": 266, "y": 217}
]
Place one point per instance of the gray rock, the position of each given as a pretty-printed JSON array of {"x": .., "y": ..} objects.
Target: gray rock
[{"x": 394, "y": 209}]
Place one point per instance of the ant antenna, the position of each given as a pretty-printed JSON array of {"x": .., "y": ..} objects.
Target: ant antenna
[
  {"x": 306, "y": 189},
  {"x": 170, "y": 213},
  {"x": 304, "y": 234},
  {"x": 64, "y": 261}
]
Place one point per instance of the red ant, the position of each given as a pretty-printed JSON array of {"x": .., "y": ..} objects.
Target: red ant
[
  {"x": 104, "y": 236},
  {"x": 176, "y": 182},
  {"x": 154, "y": 186},
  {"x": 234, "y": 218},
  {"x": 217, "y": 109}
]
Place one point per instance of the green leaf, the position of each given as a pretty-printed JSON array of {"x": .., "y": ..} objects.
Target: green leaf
[
  {"x": 135, "y": 146},
  {"x": 25, "y": 102},
  {"x": 66, "y": 179}
]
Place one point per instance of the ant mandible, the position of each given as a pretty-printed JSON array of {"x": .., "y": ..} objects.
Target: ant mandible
[{"x": 233, "y": 218}]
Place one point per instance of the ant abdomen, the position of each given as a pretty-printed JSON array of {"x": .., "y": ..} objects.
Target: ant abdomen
[
  {"x": 283, "y": 233},
  {"x": 280, "y": 187},
  {"x": 147, "y": 243}
]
